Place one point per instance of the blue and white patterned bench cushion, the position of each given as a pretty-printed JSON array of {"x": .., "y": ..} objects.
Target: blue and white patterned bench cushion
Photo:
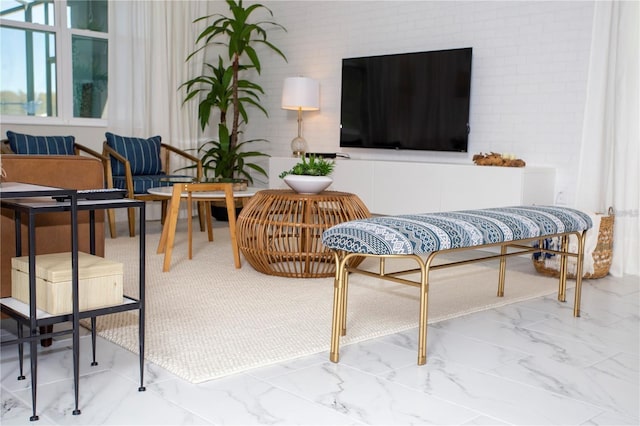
[{"x": 426, "y": 233}]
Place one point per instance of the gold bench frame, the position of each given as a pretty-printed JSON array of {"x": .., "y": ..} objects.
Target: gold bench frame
[{"x": 341, "y": 283}]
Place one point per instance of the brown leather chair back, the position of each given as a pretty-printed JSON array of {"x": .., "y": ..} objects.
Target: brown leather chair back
[{"x": 53, "y": 229}]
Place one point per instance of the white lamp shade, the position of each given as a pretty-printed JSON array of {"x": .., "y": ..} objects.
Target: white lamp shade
[{"x": 301, "y": 93}]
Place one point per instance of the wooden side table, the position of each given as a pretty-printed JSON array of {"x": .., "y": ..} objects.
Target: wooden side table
[
  {"x": 280, "y": 231},
  {"x": 197, "y": 192}
]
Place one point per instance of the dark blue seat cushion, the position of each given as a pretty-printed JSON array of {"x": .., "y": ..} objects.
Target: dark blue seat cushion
[
  {"x": 141, "y": 183},
  {"x": 41, "y": 145},
  {"x": 143, "y": 154}
]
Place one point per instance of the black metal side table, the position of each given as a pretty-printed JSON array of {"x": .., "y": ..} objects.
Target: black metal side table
[{"x": 33, "y": 200}]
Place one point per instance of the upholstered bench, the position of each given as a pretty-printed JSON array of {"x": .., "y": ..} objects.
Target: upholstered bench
[{"x": 424, "y": 236}]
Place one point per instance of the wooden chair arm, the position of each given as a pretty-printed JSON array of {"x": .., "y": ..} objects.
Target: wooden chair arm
[
  {"x": 106, "y": 166},
  {"x": 180, "y": 152},
  {"x": 110, "y": 152},
  {"x": 77, "y": 148},
  {"x": 186, "y": 155},
  {"x": 4, "y": 147}
]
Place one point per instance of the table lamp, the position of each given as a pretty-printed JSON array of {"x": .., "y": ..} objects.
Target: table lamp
[{"x": 301, "y": 94}]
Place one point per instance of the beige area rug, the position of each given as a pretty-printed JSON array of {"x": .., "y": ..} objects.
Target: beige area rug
[{"x": 206, "y": 319}]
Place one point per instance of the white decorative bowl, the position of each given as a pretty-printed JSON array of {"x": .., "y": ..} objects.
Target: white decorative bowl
[{"x": 304, "y": 184}]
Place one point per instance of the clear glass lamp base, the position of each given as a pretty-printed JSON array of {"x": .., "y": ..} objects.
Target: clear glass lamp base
[{"x": 298, "y": 146}]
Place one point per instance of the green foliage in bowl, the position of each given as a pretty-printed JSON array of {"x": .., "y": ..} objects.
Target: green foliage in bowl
[{"x": 313, "y": 166}]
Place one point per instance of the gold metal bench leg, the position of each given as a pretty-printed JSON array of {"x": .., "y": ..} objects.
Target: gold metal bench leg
[
  {"x": 338, "y": 306},
  {"x": 503, "y": 270},
  {"x": 424, "y": 312},
  {"x": 345, "y": 296},
  {"x": 579, "y": 266},
  {"x": 562, "y": 283}
]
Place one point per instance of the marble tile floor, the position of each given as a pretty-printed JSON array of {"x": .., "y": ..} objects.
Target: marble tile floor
[{"x": 530, "y": 363}]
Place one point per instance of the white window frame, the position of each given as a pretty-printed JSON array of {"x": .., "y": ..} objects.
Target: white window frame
[{"x": 64, "y": 70}]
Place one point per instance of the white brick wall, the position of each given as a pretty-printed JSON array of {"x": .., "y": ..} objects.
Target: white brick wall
[{"x": 528, "y": 79}]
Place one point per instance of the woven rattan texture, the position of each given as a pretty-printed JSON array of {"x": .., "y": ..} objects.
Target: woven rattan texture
[
  {"x": 280, "y": 231},
  {"x": 602, "y": 254}
]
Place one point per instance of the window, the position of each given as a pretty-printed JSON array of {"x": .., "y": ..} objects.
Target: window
[{"x": 54, "y": 60}]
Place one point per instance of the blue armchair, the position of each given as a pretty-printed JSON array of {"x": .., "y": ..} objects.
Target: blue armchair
[{"x": 137, "y": 164}]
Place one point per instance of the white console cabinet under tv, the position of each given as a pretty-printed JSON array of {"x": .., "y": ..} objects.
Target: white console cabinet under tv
[{"x": 399, "y": 187}]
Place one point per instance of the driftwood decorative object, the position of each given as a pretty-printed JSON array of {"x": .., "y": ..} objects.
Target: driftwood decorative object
[{"x": 496, "y": 159}]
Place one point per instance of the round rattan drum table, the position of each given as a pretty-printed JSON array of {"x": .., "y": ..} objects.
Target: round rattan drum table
[{"x": 279, "y": 232}]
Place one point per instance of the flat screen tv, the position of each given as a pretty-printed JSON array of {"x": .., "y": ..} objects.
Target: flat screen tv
[{"x": 413, "y": 101}]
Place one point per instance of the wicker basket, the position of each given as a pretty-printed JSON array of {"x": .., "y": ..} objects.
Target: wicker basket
[{"x": 602, "y": 254}]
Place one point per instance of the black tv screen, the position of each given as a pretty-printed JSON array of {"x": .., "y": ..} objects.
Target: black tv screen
[{"x": 417, "y": 101}]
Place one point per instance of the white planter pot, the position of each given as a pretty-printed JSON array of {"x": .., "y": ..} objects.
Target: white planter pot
[{"x": 304, "y": 184}]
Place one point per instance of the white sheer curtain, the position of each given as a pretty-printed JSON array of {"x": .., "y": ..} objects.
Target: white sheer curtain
[
  {"x": 610, "y": 153},
  {"x": 150, "y": 41}
]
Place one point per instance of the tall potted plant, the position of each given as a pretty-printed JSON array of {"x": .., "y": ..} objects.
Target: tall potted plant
[{"x": 221, "y": 88}]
